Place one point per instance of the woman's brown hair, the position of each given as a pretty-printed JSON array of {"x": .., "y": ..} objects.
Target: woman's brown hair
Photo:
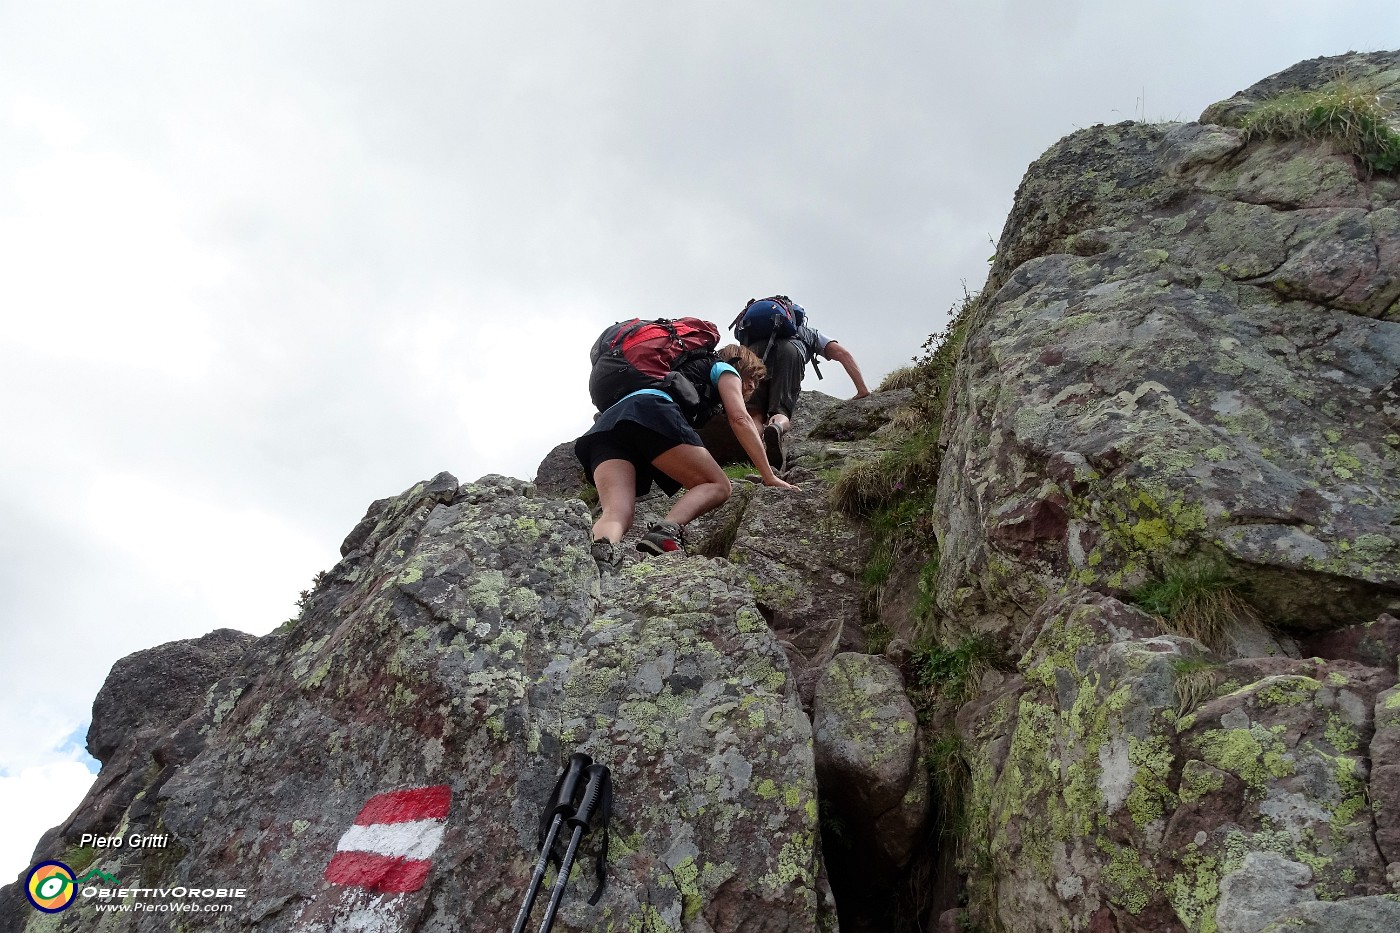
[{"x": 750, "y": 367}]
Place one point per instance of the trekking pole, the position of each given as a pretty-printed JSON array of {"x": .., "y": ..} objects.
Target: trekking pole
[
  {"x": 599, "y": 788},
  {"x": 559, "y": 807}
]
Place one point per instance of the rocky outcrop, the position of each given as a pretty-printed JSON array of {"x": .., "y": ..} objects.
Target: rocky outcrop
[
  {"x": 1142, "y": 638},
  {"x": 1182, "y": 360},
  {"x": 466, "y": 644}
]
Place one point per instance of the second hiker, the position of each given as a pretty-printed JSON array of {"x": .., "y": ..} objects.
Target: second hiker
[
  {"x": 776, "y": 330},
  {"x": 654, "y": 381}
]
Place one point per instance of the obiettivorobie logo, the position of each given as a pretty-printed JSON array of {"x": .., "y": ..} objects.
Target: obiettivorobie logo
[{"x": 51, "y": 886}]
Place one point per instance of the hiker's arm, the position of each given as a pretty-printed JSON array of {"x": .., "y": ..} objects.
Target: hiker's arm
[
  {"x": 731, "y": 393},
  {"x": 834, "y": 351}
]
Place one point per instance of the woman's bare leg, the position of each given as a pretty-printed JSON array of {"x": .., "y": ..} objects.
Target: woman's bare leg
[
  {"x": 617, "y": 494},
  {"x": 707, "y": 488}
]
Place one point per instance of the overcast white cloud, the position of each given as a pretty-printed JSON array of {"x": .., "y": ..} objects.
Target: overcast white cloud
[{"x": 262, "y": 263}]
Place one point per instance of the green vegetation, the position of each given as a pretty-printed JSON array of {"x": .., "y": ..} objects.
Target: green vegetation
[
  {"x": 589, "y": 495},
  {"x": 906, "y": 377},
  {"x": 1198, "y": 598},
  {"x": 895, "y": 492},
  {"x": 877, "y": 637},
  {"x": 950, "y": 674},
  {"x": 79, "y": 858},
  {"x": 739, "y": 470},
  {"x": 911, "y": 466},
  {"x": 1357, "y": 120}
]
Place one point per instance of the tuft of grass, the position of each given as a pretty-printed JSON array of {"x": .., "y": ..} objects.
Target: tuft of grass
[
  {"x": 739, "y": 470},
  {"x": 1195, "y": 682},
  {"x": 589, "y": 495},
  {"x": 79, "y": 858},
  {"x": 948, "y": 773},
  {"x": 1198, "y": 598},
  {"x": 906, "y": 377},
  {"x": 868, "y": 486},
  {"x": 1356, "y": 120},
  {"x": 877, "y": 637}
]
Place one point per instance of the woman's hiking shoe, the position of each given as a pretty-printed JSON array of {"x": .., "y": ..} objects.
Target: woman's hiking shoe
[
  {"x": 662, "y": 538},
  {"x": 773, "y": 447},
  {"x": 607, "y": 554}
]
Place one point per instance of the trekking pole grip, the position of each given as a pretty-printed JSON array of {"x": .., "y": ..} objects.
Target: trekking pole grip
[
  {"x": 568, "y": 785},
  {"x": 597, "y": 777}
]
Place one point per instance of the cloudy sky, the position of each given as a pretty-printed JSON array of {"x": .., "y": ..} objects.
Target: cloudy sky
[{"x": 264, "y": 262}]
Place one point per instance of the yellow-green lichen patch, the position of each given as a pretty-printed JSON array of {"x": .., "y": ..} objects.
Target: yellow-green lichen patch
[
  {"x": 1254, "y": 754},
  {"x": 687, "y": 873},
  {"x": 1286, "y": 690},
  {"x": 1198, "y": 780},
  {"x": 794, "y": 865},
  {"x": 1057, "y": 646},
  {"x": 1126, "y": 880},
  {"x": 1341, "y": 735},
  {"x": 1194, "y": 891},
  {"x": 648, "y": 920},
  {"x": 1151, "y": 797}
]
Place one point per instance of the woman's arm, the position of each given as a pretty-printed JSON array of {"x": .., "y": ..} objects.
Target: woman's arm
[{"x": 731, "y": 392}]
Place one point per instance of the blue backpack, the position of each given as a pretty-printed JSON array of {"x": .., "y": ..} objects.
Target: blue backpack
[{"x": 774, "y": 317}]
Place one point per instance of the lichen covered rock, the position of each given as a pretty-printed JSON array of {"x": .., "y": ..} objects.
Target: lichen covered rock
[
  {"x": 466, "y": 643},
  {"x": 868, "y": 754},
  {"x": 1185, "y": 357}
]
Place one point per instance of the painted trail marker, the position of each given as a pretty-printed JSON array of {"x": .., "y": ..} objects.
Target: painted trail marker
[{"x": 389, "y": 848}]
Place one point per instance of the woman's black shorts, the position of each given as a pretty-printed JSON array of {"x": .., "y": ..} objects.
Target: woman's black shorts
[{"x": 637, "y": 429}]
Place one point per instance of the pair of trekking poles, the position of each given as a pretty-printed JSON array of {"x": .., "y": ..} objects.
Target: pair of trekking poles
[{"x": 582, "y": 793}]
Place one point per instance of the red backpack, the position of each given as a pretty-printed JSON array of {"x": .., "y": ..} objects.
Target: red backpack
[{"x": 639, "y": 354}]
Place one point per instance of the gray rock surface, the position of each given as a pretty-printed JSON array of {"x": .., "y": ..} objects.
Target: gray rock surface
[
  {"x": 467, "y": 641},
  {"x": 1185, "y": 352},
  {"x": 1373, "y": 914},
  {"x": 868, "y": 757}
]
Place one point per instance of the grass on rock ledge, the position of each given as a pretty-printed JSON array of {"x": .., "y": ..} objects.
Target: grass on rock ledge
[{"x": 1358, "y": 121}]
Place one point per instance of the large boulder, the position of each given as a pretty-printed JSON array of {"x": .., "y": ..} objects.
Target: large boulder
[
  {"x": 447, "y": 667},
  {"x": 868, "y": 755},
  {"x": 1186, "y": 341},
  {"x": 1186, "y": 357}
]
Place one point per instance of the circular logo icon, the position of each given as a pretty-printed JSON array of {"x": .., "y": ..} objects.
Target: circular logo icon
[{"x": 50, "y": 886}]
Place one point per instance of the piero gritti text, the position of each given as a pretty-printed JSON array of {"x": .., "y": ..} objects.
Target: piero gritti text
[{"x": 131, "y": 841}]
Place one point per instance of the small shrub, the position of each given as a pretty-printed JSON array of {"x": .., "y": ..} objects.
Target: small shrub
[
  {"x": 304, "y": 596},
  {"x": 1199, "y": 599},
  {"x": 1353, "y": 118}
]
